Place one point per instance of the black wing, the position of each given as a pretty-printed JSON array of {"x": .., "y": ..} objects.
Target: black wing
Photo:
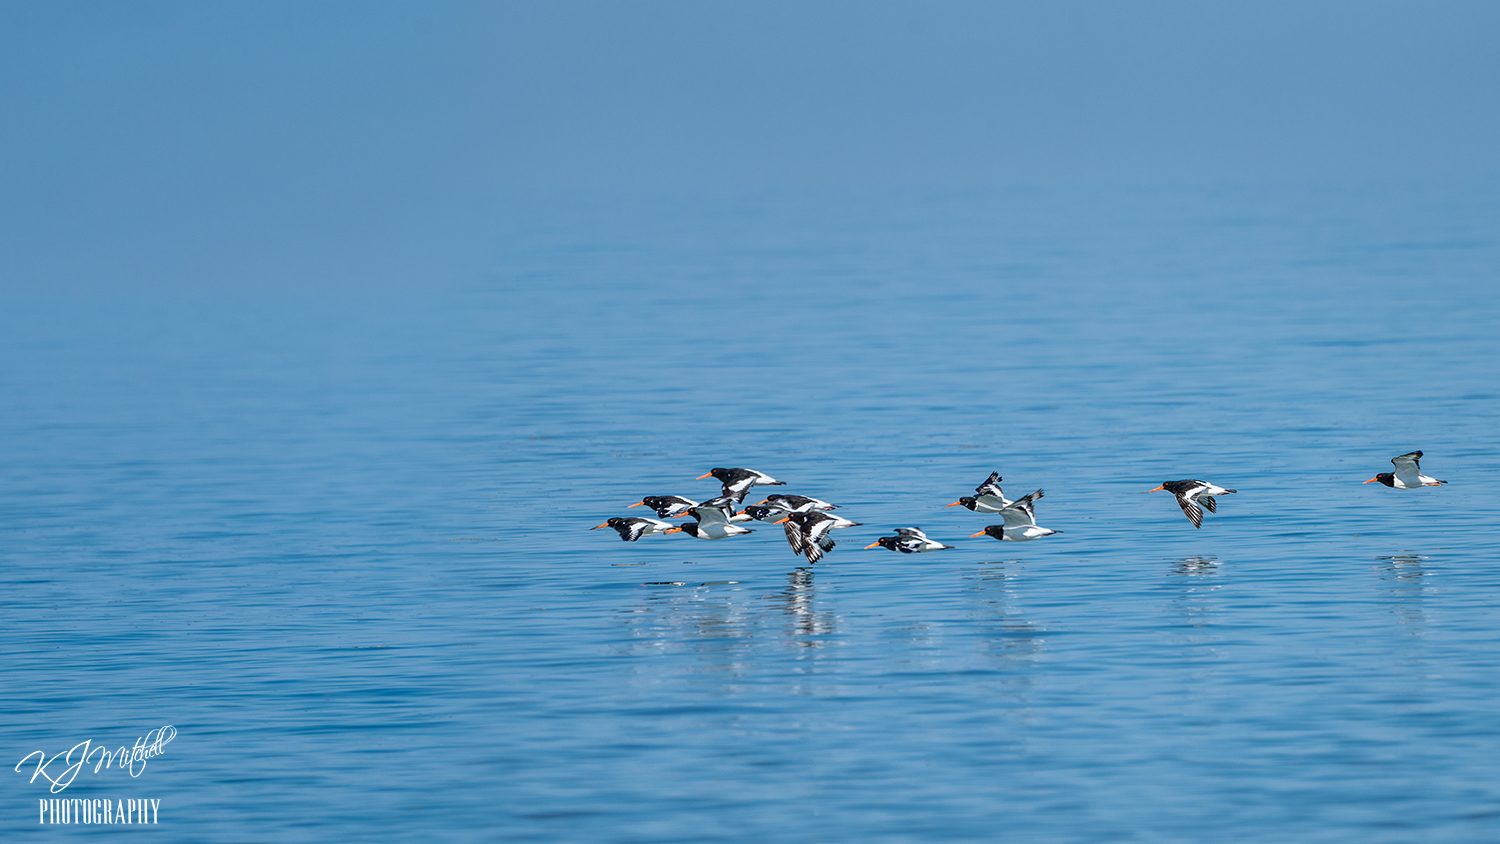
[
  {"x": 632, "y": 529},
  {"x": 794, "y": 536},
  {"x": 1193, "y": 511},
  {"x": 1209, "y": 503},
  {"x": 736, "y": 490},
  {"x": 814, "y": 550},
  {"x": 991, "y": 485}
]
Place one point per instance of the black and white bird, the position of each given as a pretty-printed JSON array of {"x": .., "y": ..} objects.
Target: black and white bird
[
  {"x": 719, "y": 509},
  {"x": 634, "y": 527},
  {"x": 797, "y": 503},
  {"x": 713, "y": 519},
  {"x": 988, "y": 497},
  {"x": 807, "y": 533},
  {"x": 764, "y": 513},
  {"x": 908, "y": 540},
  {"x": 1408, "y": 474},
  {"x": 1019, "y": 522},
  {"x": 666, "y": 506},
  {"x": 1193, "y": 496},
  {"x": 737, "y": 482},
  {"x": 709, "y": 530}
]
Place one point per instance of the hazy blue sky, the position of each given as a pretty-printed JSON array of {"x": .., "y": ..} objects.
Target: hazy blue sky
[{"x": 245, "y": 139}]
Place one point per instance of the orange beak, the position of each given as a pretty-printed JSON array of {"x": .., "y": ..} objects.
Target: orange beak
[
  {"x": 1372, "y": 480},
  {"x": 1157, "y": 489},
  {"x": 981, "y": 533},
  {"x": 637, "y": 504},
  {"x": 954, "y": 504},
  {"x": 677, "y": 529},
  {"x": 782, "y": 519},
  {"x": 872, "y": 545},
  {"x": 704, "y": 475},
  {"x": 596, "y": 527}
]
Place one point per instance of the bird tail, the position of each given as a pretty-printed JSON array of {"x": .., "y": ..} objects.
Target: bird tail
[{"x": 1231, "y": 490}]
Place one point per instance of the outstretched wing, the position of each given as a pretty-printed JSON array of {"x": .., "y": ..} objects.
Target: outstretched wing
[
  {"x": 633, "y": 529},
  {"x": 794, "y": 537},
  {"x": 1193, "y": 511},
  {"x": 913, "y": 532},
  {"x": 1022, "y": 511},
  {"x": 735, "y": 490},
  {"x": 1209, "y": 502},
  {"x": 1409, "y": 468},
  {"x": 990, "y": 486},
  {"x": 713, "y": 511},
  {"x": 814, "y": 549}
]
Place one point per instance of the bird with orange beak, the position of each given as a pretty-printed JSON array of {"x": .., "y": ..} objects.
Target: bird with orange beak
[
  {"x": 1408, "y": 474},
  {"x": 737, "y": 482},
  {"x": 633, "y": 528},
  {"x": 1193, "y": 496}
]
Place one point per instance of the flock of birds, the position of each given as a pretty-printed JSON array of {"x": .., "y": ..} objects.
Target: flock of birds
[{"x": 809, "y": 522}]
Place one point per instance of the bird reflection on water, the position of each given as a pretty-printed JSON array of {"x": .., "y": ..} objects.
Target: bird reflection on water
[
  {"x": 1014, "y": 641},
  {"x": 1408, "y": 582},
  {"x": 799, "y": 601},
  {"x": 723, "y": 616},
  {"x": 1197, "y": 604}
]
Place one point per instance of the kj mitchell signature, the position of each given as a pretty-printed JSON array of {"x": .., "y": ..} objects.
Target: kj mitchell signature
[{"x": 60, "y": 769}]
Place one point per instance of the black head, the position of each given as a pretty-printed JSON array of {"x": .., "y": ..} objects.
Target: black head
[
  {"x": 967, "y": 502},
  {"x": 992, "y": 531},
  {"x": 801, "y": 520},
  {"x": 1386, "y": 478}
]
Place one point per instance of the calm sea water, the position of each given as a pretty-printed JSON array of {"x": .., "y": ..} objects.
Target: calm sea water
[{"x": 338, "y": 536}]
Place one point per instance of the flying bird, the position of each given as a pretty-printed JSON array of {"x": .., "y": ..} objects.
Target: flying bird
[
  {"x": 908, "y": 540},
  {"x": 1408, "y": 474},
  {"x": 797, "y": 503},
  {"x": 807, "y": 533},
  {"x": 666, "y": 506},
  {"x": 709, "y": 530},
  {"x": 632, "y": 528},
  {"x": 716, "y": 510},
  {"x": 1193, "y": 496},
  {"x": 1019, "y": 522},
  {"x": 713, "y": 519},
  {"x": 764, "y": 513},
  {"x": 988, "y": 497},
  {"x": 737, "y": 482}
]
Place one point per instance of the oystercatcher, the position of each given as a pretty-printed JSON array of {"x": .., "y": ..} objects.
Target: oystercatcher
[
  {"x": 1191, "y": 493},
  {"x": 908, "y": 540},
  {"x": 632, "y": 528},
  {"x": 1020, "y": 522},
  {"x": 1408, "y": 474}
]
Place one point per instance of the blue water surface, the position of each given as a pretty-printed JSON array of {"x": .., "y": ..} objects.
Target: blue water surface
[{"x": 338, "y": 535}]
